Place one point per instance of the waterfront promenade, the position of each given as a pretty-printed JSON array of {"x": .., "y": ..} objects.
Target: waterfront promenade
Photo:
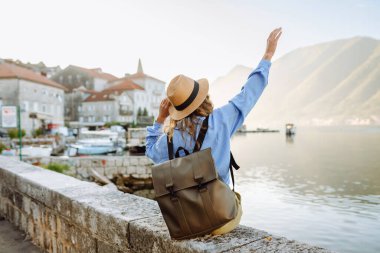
[{"x": 13, "y": 240}]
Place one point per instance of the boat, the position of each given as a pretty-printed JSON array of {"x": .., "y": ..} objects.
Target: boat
[
  {"x": 89, "y": 149},
  {"x": 97, "y": 143},
  {"x": 290, "y": 129},
  {"x": 40, "y": 151},
  {"x": 136, "y": 141},
  {"x": 243, "y": 129},
  {"x": 29, "y": 151}
]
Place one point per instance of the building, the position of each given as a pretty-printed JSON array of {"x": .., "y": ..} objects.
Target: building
[
  {"x": 41, "y": 100},
  {"x": 154, "y": 91},
  {"x": 77, "y": 80},
  {"x": 39, "y": 68},
  {"x": 133, "y": 98}
]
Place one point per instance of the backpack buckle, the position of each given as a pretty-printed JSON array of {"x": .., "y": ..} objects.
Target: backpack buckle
[
  {"x": 170, "y": 188},
  {"x": 201, "y": 186}
]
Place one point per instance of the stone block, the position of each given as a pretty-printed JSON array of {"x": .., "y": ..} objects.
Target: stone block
[
  {"x": 140, "y": 170},
  {"x": 273, "y": 244},
  {"x": 118, "y": 161},
  {"x": 7, "y": 193},
  {"x": 81, "y": 241},
  {"x": 26, "y": 205},
  {"x": 83, "y": 172},
  {"x": 17, "y": 200},
  {"x": 47, "y": 239},
  {"x": 23, "y": 222},
  {"x": 131, "y": 169},
  {"x": 53, "y": 248},
  {"x": 122, "y": 170},
  {"x": 110, "y": 171},
  {"x": 107, "y": 248},
  {"x": 16, "y": 218},
  {"x": 151, "y": 235},
  {"x": 40, "y": 185},
  {"x": 30, "y": 230},
  {"x": 133, "y": 160},
  {"x": 85, "y": 163},
  {"x": 126, "y": 162},
  {"x": 145, "y": 161},
  {"x": 3, "y": 206}
]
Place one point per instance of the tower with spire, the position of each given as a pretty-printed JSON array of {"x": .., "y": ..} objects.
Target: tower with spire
[{"x": 139, "y": 67}]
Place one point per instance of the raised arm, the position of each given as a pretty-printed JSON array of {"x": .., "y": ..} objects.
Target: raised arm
[
  {"x": 236, "y": 110},
  {"x": 155, "y": 137}
]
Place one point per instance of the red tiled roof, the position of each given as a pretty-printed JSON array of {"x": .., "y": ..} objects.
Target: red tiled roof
[
  {"x": 8, "y": 70},
  {"x": 142, "y": 75},
  {"x": 86, "y": 91},
  {"x": 124, "y": 84},
  {"x": 103, "y": 96},
  {"x": 96, "y": 72}
]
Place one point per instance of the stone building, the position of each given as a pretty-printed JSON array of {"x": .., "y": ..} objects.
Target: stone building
[
  {"x": 77, "y": 80},
  {"x": 39, "y": 68},
  {"x": 124, "y": 99},
  {"x": 41, "y": 99}
]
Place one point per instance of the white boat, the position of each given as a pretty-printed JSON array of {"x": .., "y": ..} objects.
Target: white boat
[
  {"x": 97, "y": 143},
  {"x": 290, "y": 129},
  {"x": 75, "y": 150}
]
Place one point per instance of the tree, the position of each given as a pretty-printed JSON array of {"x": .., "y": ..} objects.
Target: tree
[
  {"x": 139, "y": 112},
  {"x": 145, "y": 112}
]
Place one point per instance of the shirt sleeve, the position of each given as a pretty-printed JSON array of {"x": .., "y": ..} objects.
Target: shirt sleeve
[
  {"x": 237, "y": 109},
  {"x": 154, "y": 137}
]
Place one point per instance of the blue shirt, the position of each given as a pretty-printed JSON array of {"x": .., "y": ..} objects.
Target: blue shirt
[{"x": 223, "y": 123}]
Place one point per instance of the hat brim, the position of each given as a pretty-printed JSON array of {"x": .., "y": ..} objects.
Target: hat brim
[{"x": 202, "y": 94}]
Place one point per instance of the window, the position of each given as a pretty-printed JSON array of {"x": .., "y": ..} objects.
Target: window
[
  {"x": 35, "y": 106},
  {"x": 43, "y": 108},
  {"x": 25, "y": 105},
  {"x": 80, "y": 119}
]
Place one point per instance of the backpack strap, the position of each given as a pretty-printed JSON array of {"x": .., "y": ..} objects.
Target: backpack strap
[
  {"x": 170, "y": 148},
  {"x": 233, "y": 165},
  {"x": 198, "y": 145},
  {"x": 201, "y": 135}
]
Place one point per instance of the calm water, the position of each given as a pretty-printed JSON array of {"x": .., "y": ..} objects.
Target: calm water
[{"x": 322, "y": 187}]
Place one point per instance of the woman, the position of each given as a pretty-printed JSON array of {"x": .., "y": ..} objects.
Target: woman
[{"x": 188, "y": 103}]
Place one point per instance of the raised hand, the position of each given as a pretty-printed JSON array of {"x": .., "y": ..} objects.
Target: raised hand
[
  {"x": 272, "y": 43},
  {"x": 164, "y": 110}
]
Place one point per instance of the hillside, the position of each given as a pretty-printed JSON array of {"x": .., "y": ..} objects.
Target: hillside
[{"x": 333, "y": 83}]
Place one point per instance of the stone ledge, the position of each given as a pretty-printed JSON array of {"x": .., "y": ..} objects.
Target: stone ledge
[{"x": 63, "y": 214}]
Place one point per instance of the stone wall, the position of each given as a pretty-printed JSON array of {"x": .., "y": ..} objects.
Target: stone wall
[
  {"x": 137, "y": 166},
  {"x": 60, "y": 213}
]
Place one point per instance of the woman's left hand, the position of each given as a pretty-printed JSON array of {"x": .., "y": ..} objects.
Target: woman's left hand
[{"x": 164, "y": 111}]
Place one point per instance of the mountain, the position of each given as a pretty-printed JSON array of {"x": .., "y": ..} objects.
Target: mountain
[{"x": 332, "y": 83}]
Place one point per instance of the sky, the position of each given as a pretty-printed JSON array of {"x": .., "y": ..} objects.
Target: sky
[{"x": 198, "y": 38}]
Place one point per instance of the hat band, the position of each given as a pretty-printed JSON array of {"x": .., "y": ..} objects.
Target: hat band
[{"x": 190, "y": 99}]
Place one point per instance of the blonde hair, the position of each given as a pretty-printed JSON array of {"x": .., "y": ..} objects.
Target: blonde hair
[{"x": 189, "y": 123}]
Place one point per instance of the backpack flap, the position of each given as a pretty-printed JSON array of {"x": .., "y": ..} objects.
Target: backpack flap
[{"x": 181, "y": 173}]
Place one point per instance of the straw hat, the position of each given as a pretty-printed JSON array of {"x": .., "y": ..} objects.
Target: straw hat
[{"x": 185, "y": 95}]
